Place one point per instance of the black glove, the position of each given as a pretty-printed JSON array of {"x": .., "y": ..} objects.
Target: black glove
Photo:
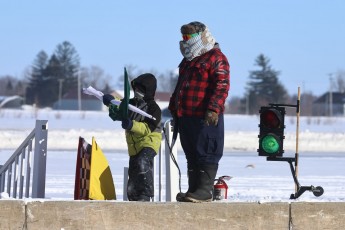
[
  {"x": 114, "y": 113},
  {"x": 107, "y": 98},
  {"x": 173, "y": 121},
  {"x": 127, "y": 124}
]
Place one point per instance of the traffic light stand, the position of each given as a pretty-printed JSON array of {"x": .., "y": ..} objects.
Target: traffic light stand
[
  {"x": 317, "y": 191},
  {"x": 299, "y": 190}
]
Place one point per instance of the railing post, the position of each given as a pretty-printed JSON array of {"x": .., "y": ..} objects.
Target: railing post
[
  {"x": 125, "y": 183},
  {"x": 160, "y": 172},
  {"x": 40, "y": 159},
  {"x": 1, "y": 183},
  {"x": 172, "y": 176}
]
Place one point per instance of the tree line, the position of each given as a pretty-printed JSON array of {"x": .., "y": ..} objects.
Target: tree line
[
  {"x": 263, "y": 87},
  {"x": 51, "y": 77}
]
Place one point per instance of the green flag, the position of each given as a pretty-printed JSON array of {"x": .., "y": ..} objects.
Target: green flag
[{"x": 125, "y": 100}]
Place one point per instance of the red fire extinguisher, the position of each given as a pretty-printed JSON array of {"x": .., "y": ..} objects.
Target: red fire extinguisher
[{"x": 220, "y": 189}]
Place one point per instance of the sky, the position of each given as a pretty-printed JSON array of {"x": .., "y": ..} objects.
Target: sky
[
  {"x": 304, "y": 40},
  {"x": 254, "y": 179}
]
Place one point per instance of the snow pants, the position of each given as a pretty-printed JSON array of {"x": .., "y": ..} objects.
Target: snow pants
[
  {"x": 140, "y": 175},
  {"x": 202, "y": 144}
]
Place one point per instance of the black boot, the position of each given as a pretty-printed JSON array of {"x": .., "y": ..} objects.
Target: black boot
[
  {"x": 192, "y": 182},
  {"x": 203, "y": 193},
  {"x": 144, "y": 198}
]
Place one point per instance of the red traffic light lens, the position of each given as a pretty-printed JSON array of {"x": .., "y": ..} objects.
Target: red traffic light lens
[{"x": 270, "y": 118}]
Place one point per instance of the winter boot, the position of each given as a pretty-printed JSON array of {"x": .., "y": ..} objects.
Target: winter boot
[
  {"x": 144, "y": 198},
  {"x": 203, "y": 193},
  {"x": 192, "y": 179}
]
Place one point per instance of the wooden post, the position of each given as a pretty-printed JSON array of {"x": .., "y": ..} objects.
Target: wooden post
[{"x": 297, "y": 132}]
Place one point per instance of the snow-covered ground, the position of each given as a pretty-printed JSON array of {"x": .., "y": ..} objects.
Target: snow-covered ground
[{"x": 321, "y": 153}]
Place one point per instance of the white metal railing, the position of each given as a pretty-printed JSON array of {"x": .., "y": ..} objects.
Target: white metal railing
[
  {"x": 171, "y": 172},
  {"x": 15, "y": 174}
]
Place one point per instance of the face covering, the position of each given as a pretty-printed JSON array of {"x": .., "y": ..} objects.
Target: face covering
[
  {"x": 197, "y": 44},
  {"x": 138, "y": 94}
]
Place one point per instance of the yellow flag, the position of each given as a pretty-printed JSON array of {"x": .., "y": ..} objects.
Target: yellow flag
[{"x": 101, "y": 181}]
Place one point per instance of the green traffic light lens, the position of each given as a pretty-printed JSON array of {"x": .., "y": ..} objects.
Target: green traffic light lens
[{"x": 270, "y": 144}]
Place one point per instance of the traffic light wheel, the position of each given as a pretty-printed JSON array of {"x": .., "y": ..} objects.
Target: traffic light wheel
[{"x": 317, "y": 191}]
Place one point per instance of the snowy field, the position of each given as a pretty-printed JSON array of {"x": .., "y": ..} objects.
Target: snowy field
[{"x": 321, "y": 153}]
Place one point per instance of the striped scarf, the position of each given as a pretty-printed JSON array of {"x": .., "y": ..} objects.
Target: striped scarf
[{"x": 197, "y": 45}]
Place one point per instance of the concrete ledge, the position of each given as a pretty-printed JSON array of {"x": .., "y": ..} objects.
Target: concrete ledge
[
  {"x": 137, "y": 215},
  {"x": 318, "y": 215},
  {"x": 45, "y": 214},
  {"x": 12, "y": 214}
]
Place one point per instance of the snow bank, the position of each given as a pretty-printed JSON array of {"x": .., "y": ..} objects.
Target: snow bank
[{"x": 316, "y": 134}]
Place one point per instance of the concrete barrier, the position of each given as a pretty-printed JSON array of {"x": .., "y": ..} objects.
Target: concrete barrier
[
  {"x": 67, "y": 215},
  {"x": 318, "y": 215},
  {"x": 12, "y": 214}
]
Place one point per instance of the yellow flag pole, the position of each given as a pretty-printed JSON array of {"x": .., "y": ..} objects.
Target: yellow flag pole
[{"x": 297, "y": 132}]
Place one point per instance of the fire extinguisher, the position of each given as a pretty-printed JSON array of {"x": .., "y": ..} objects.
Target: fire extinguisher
[{"x": 220, "y": 189}]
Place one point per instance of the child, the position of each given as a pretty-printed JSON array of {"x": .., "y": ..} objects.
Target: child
[{"x": 143, "y": 136}]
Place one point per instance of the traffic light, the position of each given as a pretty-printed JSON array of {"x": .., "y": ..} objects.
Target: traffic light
[{"x": 271, "y": 131}]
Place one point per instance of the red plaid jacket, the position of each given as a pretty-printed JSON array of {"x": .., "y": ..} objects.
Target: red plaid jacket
[{"x": 203, "y": 84}]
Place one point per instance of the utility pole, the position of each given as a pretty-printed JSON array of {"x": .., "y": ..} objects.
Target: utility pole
[
  {"x": 330, "y": 96},
  {"x": 247, "y": 103},
  {"x": 60, "y": 90},
  {"x": 79, "y": 91}
]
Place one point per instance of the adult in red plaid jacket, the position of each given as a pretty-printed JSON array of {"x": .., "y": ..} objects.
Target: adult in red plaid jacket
[{"x": 197, "y": 105}]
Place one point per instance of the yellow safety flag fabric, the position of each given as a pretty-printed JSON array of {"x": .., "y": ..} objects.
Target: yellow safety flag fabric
[{"x": 101, "y": 181}]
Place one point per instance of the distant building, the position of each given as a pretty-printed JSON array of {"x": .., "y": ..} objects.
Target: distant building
[
  {"x": 11, "y": 102},
  {"x": 162, "y": 98},
  {"x": 70, "y": 101},
  {"x": 329, "y": 104}
]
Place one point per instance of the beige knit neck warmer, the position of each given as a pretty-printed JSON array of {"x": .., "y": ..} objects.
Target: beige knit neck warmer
[{"x": 197, "y": 45}]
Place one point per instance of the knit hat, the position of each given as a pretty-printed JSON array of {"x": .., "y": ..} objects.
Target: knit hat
[{"x": 193, "y": 27}]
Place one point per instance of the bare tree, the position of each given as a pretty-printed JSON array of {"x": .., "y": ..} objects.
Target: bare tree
[
  {"x": 10, "y": 85},
  {"x": 236, "y": 105},
  {"x": 95, "y": 77},
  {"x": 167, "y": 81},
  {"x": 132, "y": 73},
  {"x": 339, "y": 83}
]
